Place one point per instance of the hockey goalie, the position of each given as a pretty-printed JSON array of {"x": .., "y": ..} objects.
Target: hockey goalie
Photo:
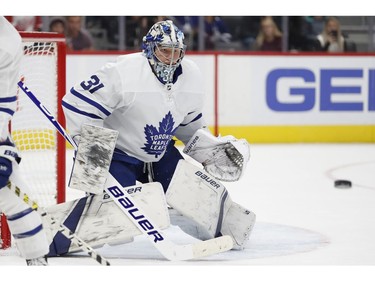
[{"x": 150, "y": 98}]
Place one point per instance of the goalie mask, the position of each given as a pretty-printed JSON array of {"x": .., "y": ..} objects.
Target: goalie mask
[{"x": 164, "y": 47}]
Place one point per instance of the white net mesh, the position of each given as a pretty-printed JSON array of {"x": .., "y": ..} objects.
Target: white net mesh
[{"x": 33, "y": 134}]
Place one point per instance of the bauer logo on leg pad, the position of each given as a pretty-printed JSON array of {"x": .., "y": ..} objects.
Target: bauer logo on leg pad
[
  {"x": 128, "y": 205},
  {"x": 208, "y": 179},
  {"x": 130, "y": 190}
]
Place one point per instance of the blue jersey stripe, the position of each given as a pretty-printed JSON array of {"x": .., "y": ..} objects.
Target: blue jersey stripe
[
  {"x": 7, "y": 110},
  {"x": 76, "y": 110},
  {"x": 195, "y": 119},
  {"x": 8, "y": 99},
  {"x": 28, "y": 233},
  {"x": 93, "y": 103},
  {"x": 19, "y": 215}
]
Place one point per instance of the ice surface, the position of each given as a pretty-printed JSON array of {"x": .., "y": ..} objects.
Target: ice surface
[{"x": 302, "y": 219}]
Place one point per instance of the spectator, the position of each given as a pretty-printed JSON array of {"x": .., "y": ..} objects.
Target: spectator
[
  {"x": 136, "y": 27},
  {"x": 58, "y": 25},
  {"x": 78, "y": 38},
  {"x": 186, "y": 24},
  {"x": 104, "y": 29},
  {"x": 248, "y": 29},
  {"x": 313, "y": 25},
  {"x": 300, "y": 38},
  {"x": 215, "y": 32},
  {"x": 26, "y": 23},
  {"x": 331, "y": 38},
  {"x": 269, "y": 37}
]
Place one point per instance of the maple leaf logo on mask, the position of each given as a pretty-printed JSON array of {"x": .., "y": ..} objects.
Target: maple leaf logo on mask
[{"x": 157, "y": 140}]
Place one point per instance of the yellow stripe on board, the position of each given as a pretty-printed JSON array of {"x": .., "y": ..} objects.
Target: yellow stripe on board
[
  {"x": 291, "y": 134},
  {"x": 45, "y": 139}
]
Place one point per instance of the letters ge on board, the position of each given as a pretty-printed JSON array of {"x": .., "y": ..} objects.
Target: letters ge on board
[{"x": 325, "y": 89}]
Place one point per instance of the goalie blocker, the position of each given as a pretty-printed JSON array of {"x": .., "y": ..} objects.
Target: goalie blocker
[{"x": 204, "y": 207}]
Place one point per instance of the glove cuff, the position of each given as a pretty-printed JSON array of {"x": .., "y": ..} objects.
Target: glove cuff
[{"x": 10, "y": 152}]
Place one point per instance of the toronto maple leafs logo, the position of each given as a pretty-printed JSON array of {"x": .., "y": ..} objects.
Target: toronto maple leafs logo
[{"x": 158, "y": 139}]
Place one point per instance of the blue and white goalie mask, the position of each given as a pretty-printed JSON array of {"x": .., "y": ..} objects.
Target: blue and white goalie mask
[{"x": 164, "y": 47}]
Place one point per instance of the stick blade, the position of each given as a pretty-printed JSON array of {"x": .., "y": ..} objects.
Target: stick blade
[
  {"x": 196, "y": 250},
  {"x": 212, "y": 246}
]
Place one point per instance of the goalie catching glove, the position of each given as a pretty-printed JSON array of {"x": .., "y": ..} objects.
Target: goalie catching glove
[{"x": 225, "y": 158}]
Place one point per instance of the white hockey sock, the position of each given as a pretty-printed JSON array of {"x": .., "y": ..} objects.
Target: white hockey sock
[
  {"x": 24, "y": 224},
  {"x": 10, "y": 204}
]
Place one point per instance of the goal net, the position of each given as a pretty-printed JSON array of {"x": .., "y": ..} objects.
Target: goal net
[{"x": 41, "y": 147}]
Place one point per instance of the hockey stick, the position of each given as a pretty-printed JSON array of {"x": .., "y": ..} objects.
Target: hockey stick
[
  {"x": 59, "y": 227},
  {"x": 131, "y": 208}
]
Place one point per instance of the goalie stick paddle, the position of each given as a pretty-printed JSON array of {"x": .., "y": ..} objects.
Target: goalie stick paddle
[
  {"x": 59, "y": 227},
  {"x": 132, "y": 210}
]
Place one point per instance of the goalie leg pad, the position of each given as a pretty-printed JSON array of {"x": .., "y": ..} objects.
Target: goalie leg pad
[
  {"x": 98, "y": 220},
  {"x": 199, "y": 197},
  {"x": 238, "y": 223},
  {"x": 203, "y": 208},
  {"x": 188, "y": 225}
]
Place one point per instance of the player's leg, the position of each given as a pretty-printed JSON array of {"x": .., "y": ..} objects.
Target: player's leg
[
  {"x": 24, "y": 223},
  {"x": 122, "y": 170},
  {"x": 101, "y": 221},
  {"x": 163, "y": 172},
  {"x": 164, "y": 169},
  {"x": 80, "y": 215},
  {"x": 125, "y": 173},
  {"x": 205, "y": 207}
]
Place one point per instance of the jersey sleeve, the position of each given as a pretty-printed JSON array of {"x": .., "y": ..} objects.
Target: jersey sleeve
[
  {"x": 194, "y": 119},
  {"x": 92, "y": 100},
  {"x": 9, "y": 76},
  {"x": 192, "y": 122}
]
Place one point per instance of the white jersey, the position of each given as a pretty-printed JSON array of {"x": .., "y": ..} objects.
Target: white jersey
[
  {"x": 10, "y": 57},
  {"x": 126, "y": 96}
]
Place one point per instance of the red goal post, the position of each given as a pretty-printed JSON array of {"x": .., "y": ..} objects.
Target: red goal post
[{"x": 42, "y": 148}]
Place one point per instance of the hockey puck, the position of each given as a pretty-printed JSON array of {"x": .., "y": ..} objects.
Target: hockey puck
[{"x": 343, "y": 184}]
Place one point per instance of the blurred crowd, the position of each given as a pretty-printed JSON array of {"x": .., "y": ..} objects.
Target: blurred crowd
[{"x": 233, "y": 33}]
